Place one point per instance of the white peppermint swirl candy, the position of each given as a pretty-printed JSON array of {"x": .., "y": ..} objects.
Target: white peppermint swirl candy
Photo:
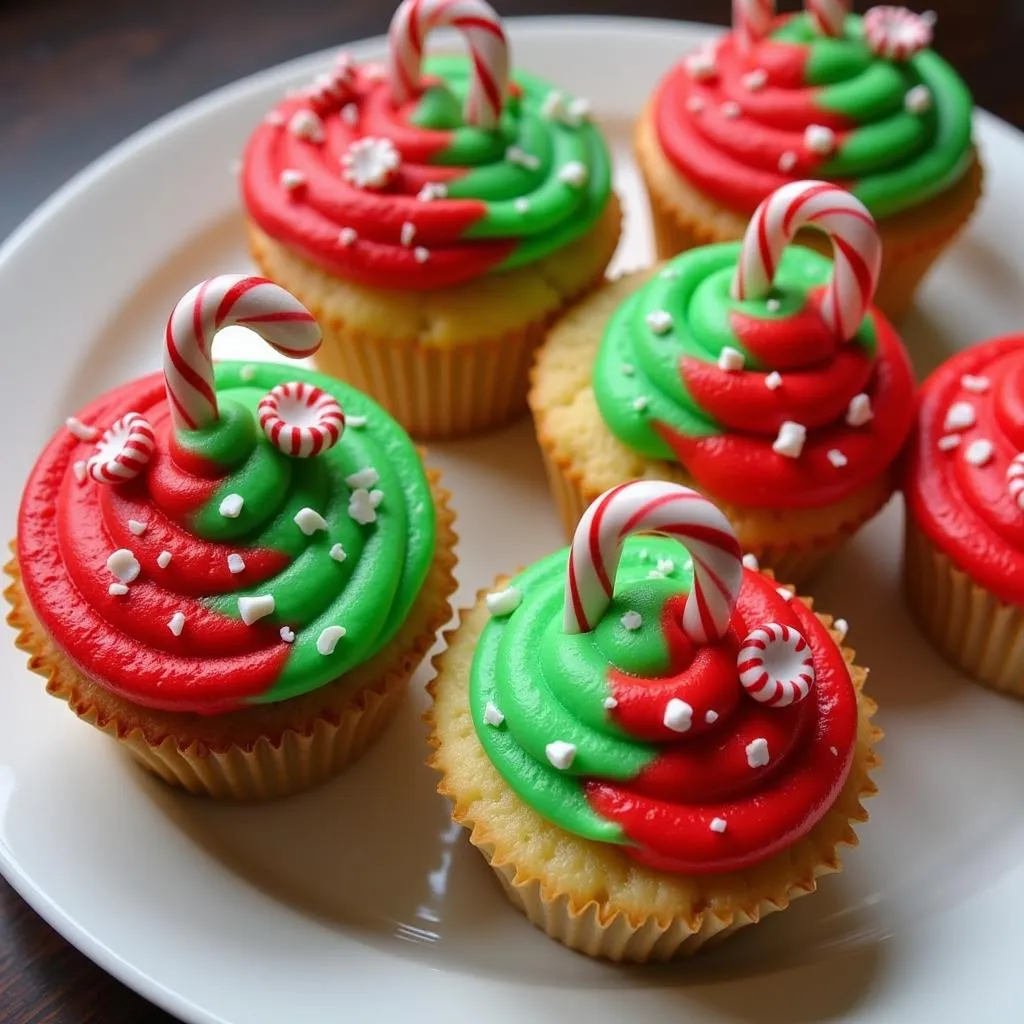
[
  {"x": 1015, "y": 480},
  {"x": 776, "y": 666},
  {"x": 123, "y": 451}
]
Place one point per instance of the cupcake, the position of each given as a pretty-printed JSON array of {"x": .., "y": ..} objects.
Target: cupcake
[
  {"x": 652, "y": 747},
  {"x": 964, "y": 489},
  {"x": 232, "y": 570},
  {"x": 435, "y": 215},
  {"x": 757, "y": 373},
  {"x": 862, "y": 102}
]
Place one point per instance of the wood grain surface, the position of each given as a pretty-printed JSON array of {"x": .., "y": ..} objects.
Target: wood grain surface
[{"x": 77, "y": 77}]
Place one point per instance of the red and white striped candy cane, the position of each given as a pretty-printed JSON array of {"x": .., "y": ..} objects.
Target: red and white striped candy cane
[
  {"x": 828, "y": 16},
  {"x": 653, "y": 506},
  {"x": 224, "y": 301},
  {"x": 896, "y": 33},
  {"x": 301, "y": 419},
  {"x": 752, "y": 21},
  {"x": 776, "y": 665},
  {"x": 123, "y": 451},
  {"x": 856, "y": 247},
  {"x": 1015, "y": 480},
  {"x": 482, "y": 29}
]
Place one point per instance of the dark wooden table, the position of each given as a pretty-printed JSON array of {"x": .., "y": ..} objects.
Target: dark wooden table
[{"x": 75, "y": 78}]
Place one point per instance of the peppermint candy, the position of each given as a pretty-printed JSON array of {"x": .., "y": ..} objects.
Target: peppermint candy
[
  {"x": 776, "y": 666},
  {"x": 123, "y": 451},
  {"x": 301, "y": 419},
  {"x": 1015, "y": 480},
  {"x": 896, "y": 33}
]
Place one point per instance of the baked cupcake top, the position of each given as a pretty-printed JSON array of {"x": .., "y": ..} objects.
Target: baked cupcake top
[
  {"x": 207, "y": 539},
  {"x": 762, "y": 369},
  {"x": 965, "y": 471},
  {"x": 669, "y": 701},
  {"x": 427, "y": 173},
  {"x": 825, "y": 94}
]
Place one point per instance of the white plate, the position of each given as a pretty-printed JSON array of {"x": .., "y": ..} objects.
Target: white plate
[{"x": 361, "y": 901}]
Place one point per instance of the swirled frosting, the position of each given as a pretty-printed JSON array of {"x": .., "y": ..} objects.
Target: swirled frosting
[
  {"x": 353, "y": 572},
  {"x": 970, "y": 430},
  {"x": 739, "y": 782},
  {"x": 511, "y": 195},
  {"x": 662, "y": 387},
  {"x": 899, "y": 133}
]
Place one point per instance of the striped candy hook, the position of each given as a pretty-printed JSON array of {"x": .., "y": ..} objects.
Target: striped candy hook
[
  {"x": 752, "y": 20},
  {"x": 653, "y": 506},
  {"x": 488, "y": 49},
  {"x": 856, "y": 246},
  {"x": 828, "y": 16}
]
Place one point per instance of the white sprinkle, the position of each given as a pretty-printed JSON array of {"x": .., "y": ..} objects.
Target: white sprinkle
[
  {"x": 124, "y": 565},
  {"x": 292, "y": 180},
  {"x": 376, "y": 497},
  {"x": 702, "y": 65},
  {"x": 961, "y": 415},
  {"x": 979, "y": 453},
  {"x": 307, "y": 126},
  {"x": 836, "y": 458},
  {"x": 432, "y": 190},
  {"x": 137, "y": 527},
  {"x": 859, "y": 411},
  {"x": 350, "y": 114},
  {"x": 669, "y": 274},
  {"x": 80, "y": 430},
  {"x": 750, "y": 562},
  {"x": 365, "y": 477},
  {"x": 711, "y": 717},
  {"x": 643, "y": 554},
  {"x": 308, "y": 520},
  {"x": 236, "y": 563},
  {"x": 288, "y": 634},
  {"x": 819, "y": 139},
  {"x": 655, "y": 574},
  {"x": 355, "y": 421},
  {"x": 773, "y": 305},
  {"x": 784, "y": 593},
  {"x": 632, "y": 621},
  {"x": 695, "y": 104},
  {"x": 328, "y": 639},
  {"x": 678, "y": 715},
  {"x": 553, "y": 106},
  {"x": 522, "y": 205},
  {"x": 948, "y": 442},
  {"x": 610, "y": 703},
  {"x": 163, "y": 559},
  {"x": 731, "y": 110},
  {"x": 518, "y": 157},
  {"x": 253, "y": 608},
  {"x": 659, "y": 321},
  {"x": 757, "y": 753},
  {"x": 274, "y": 118},
  {"x": 408, "y": 233},
  {"x": 627, "y": 369},
  {"x": 833, "y": 751},
  {"x": 337, "y": 552},
  {"x": 231, "y": 506},
  {"x": 80, "y": 470},
  {"x": 918, "y": 100},
  {"x": 117, "y": 590},
  {"x": 788, "y": 161},
  {"x": 842, "y": 627},
  {"x": 421, "y": 254},
  {"x": 755, "y": 80},
  {"x": 492, "y": 716},
  {"x": 360, "y": 508},
  {"x": 730, "y": 359},
  {"x": 574, "y": 174},
  {"x": 979, "y": 385},
  {"x": 791, "y": 440},
  {"x": 773, "y": 381},
  {"x": 640, "y": 403},
  {"x": 247, "y": 372},
  {"x": 347, "y": 237},
  {"x": 177, "y": 623},
  {"x": 560, "y": 754},
  {"x": 504, "y": 602},
  {"x": 666, "y": 566},
  {"x": 718, "y": 825}
]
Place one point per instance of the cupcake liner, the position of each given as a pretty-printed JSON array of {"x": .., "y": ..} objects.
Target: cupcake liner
[
  {"x": 635, "y": 913},
  {"x": 912, "y": 241},
  {"x": 262, "y": 752},
  {"x": 967, "y": 624}
]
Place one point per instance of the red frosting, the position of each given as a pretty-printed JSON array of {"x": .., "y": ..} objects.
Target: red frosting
[
  {"x": 667, "y": 811},
  {"x": 966, "y": 509}
]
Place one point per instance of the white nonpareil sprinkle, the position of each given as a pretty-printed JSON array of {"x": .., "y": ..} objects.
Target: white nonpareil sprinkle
[
  {"x": 124, "y": 565},
  {"x": 678, "y": 715},
  {"x": 626, "y": 369},
  {"x": 859, "y": 411},
  {"x": 306, "y": 125},
  {"x": 757, "y": 753},
  {"x": 718, "y": 825},
  {"x": 773, "y": 381},
  {"x": 251, "y": 609},
  {"x": 518, "y": 157},
  {"x": 610, "y": 703},
  {"x": 834, "y": 751},
  {"x": 163, "y": 559},
  {"x": 328, "y": 639},
  {"x": 702, "y": 65},
  {"x": 137, "y": 527},
  {"x": 578, "y": 112},
  {"x": 574, "y": 174},
  {"x": 177, "y": 623},
  {"x": 773, "y": 305},
  {"x": 961, "y": 415},
  {"x": 948, "y": 442},
  {"x": 492, "y": 716},
  {"x": 431, "y": 191},
  {"x": 247, "y": 372},
  {"x": 361, "y": 508},
  {"x": 918, "y": 100},
  {"x": 643, "y": 554},
  {"x": 236, "y": 563},
  {"x": 785, "y": 593},
  {"x": 819, "y": 139},
  {"x": 978, "y": 385},
  {"x": 666, "y": 566},
  {"x": 791, "y": 439},
  {"x": 337, "y": 552},
  {"x": 292, "y": 180},
  {"x": 632, "y": 621},
  {"x": 421, "y": 254},
  {"x": 788, "y": 161},
  {"x": 80, "y": 430},
  {"x": 350, "y": 114},
  {"x": 117, "y": 590},
  {"x": 640, "y": 403},
  {"x": 750, "y": 562},
  {"x": 365, "y": 477},
  {"x": 308, "y": 520},
  {"x": 731, "y": 110},
  {"x": 842, "y": 627},
  {"x": 695, "y": 104},
  {"x": 231, "y": 506},
  {"x": 347, "y": 237},
  {"x": 355, "y": 421},
  {"x": 80, "y": 470},
  {"x": 408, "y": 233},
  {"x": 979, "y": 453},
  {"x": 711, "y": 717},
  {"x": 659, "y": 320},
  {"x": 376, "y": 497},
  {"x": 655, "y": 574},
  {"x": 504, "y": 602},
  {"x": 836, "y": 458},
  {"x": 755, "y": 80},
  {"x": 553, "y": 106},
  {"x": 730, "y": 359},
  {"x": 560, "y": 754},
  {"x": 522, "y": 205},
  {"x": 287, "y": 634}
]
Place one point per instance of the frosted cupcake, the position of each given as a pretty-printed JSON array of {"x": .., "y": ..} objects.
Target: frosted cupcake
[
  {"x": 862, "y": 102},
  {"x": 652, "y": 747},
  {"x": 964, "y": 489},
  {"x": 435, "y": 216},
  {"x": 757, "y": 373},
  {"x": 232, "y": 570}
]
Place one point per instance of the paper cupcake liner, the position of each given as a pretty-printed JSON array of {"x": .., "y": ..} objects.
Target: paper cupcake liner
[
  {"x": 965, "y": 623},
  {"x": 684, "y": 218},
  {"x": 265, "y": 752},
  {"x": 704, "y": 909}
]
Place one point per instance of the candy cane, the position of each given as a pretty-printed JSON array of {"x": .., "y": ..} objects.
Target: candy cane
[
  {"x": 857, "y": 249},
  {"x": 301, "y": 419},
  {"x": 776, "y": 666},
  {"x": 1015, "y": 480},
  {"x": 488, "y": 48},
  {"x": 123, "y": 451},
  {"x": 645, "y": 506},
  {"x": 828, "y": 16},
  {"x": 752, "y": 21},
  {"x": 229, "y": 299},
  {"x": 896, "y": 33}
]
